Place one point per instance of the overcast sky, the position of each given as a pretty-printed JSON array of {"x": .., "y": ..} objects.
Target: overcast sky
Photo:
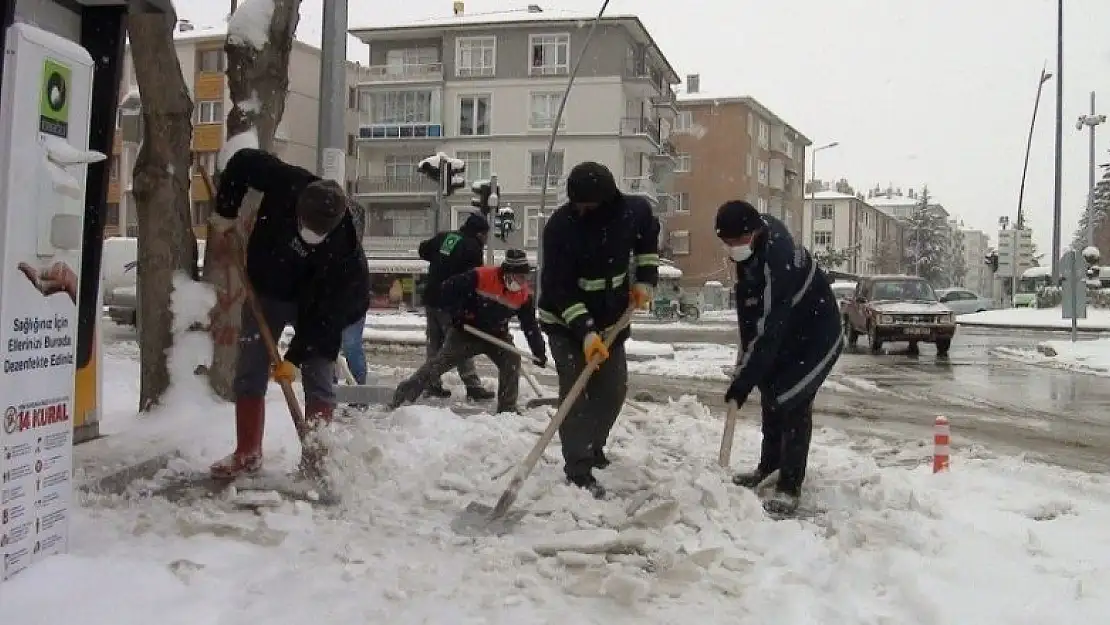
[{"x": 916, "y": 91}]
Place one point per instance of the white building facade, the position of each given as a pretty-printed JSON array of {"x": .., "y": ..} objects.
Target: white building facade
[{"x": 844, "y": 224}]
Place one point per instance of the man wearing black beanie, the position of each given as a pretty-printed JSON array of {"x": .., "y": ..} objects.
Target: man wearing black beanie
[
  {"x": 603, "y": 256},
  {"x": 790, "y": 338}
]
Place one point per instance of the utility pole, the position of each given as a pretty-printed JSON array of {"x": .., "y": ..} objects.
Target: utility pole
[
  {"x": 331, "y": 136},
  {"x": 1057, "y": 200},
  {"x": 494, "y": 202},
  {"x": 441, "y": 194},
  {"x": 1090, "y": 121}
]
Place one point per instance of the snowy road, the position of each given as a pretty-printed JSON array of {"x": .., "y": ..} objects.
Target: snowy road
[{"x": 1054, "y": 415}]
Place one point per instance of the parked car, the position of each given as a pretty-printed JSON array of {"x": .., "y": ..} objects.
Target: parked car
[
  {"x": 844, "y": 291},
  {"x": 963, "y": 301},
  {"x": 898, "y": 308},
  {"x": 121, "y": 289}
]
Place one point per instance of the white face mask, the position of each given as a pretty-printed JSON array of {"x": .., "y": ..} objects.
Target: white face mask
[
  {"x": 740, "y": 253},
  {"x": 513, "y": 286},
  {"x": 310, "y": 237}
]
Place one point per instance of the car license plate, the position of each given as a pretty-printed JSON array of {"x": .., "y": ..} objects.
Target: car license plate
[{"x": 917, "y": 331}]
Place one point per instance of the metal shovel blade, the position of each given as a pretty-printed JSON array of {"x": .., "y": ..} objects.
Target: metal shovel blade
[
  {"x": 542, "y": 401},
  {"x": 363, "y": 394},
  {"x": 478, "y": 520}
]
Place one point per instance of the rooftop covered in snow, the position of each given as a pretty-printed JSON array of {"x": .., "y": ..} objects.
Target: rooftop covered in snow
[
  {"x": 708, "y": 98},
  {"x": 831, "y": 195},
  {"x": 431, "y": 27}
]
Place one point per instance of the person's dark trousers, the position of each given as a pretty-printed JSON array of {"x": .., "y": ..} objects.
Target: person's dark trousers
[
  {"x": 460, "y": 346},
  {"x": 586, "y": 429},
  {"x": 786, "y": 437},
  {"x": 438, "y": 325}
]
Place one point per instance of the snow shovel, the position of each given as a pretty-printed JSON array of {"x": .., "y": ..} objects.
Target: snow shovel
[
  {"x": 540, "y": 400},
  {"x": 497, "y": 519},
  {"x": 725, "y": 457},
  {"x": 354, "y": 394}
]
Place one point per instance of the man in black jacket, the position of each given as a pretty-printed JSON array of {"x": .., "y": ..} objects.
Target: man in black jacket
[
  {"x": 484, "y": 298},
  {"x": 306, "y": 265},
  {"x": 790, "y": 338},
  {"x": 603, "y": 256},
  {"x": 449, "y": 254}
]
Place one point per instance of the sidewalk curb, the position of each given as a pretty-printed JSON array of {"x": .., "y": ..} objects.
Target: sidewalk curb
[{"x": 1029, "y": 328}]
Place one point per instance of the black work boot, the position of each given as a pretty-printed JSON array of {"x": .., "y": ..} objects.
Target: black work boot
[
  {"x": 479, "y": 394},
  {"x": 750, "y": 479},
  {"x": 588, "y": 482},
  {"x": 437, "y": 391},
  {"x": 600, "y": 460},
  {"x": 784, "y": 501}
]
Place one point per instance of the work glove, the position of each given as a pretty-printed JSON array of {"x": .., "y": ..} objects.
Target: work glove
[
  {"x": 641, "y": 295},
  {"x": 540, "y": 360},
  {"x": 594, "y": 348},
  {"x": 284, "y": 372},
  {"x": 736, "y": 394}
]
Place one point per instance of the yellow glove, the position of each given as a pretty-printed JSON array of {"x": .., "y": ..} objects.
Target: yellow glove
[
  {"x": 284, "y": 372},
  {"x": 594, "y": 348},
  {"x": 641, "y": 295}
]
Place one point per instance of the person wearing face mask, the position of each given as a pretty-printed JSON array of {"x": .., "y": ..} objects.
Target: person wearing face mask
[
  {"x": 603, "y": 256},
  {"x": 484, "y": 298},
  {"x": 790, "y": 339},
  {"x": 307, "y": 269}
]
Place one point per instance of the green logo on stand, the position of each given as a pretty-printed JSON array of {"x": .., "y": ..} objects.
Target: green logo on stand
[{"x": 54, "y": 99}]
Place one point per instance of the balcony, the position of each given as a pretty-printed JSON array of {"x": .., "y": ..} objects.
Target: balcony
[
  {"x": 666, "y": 102},
  {"x": 640, "y": 127},
  {"x": 392, "y": 186},
  {"x": 393, "y": 74},
  {"x": 400, "y": 131},
  {"x": 666, "y": 153},
  {"x": 554, "y": 183},
  {"x": 640, "y": 185}
]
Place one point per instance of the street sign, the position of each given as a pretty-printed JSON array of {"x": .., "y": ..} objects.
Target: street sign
[{"x": 1073, "y": 269}]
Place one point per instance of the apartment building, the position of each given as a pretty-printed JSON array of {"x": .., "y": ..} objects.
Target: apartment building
[
  {"x": 203, "y": 64},
  {"x": 979, "y": 277},
  {"x": 863, "y": 238},
  {"x": 728, "y": 147},
  {"x": 485, "y": 89}
]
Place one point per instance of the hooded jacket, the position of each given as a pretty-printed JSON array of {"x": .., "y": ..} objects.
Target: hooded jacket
[{"x": 451, "y": 253}]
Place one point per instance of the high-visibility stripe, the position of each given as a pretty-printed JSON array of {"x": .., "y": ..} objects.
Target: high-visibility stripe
[
  {"x": 601, "y": 284},
  {"x": 647, "y": 260},
  {"x": 574, "y": 311},
  {"x": 550, "y": 317}
]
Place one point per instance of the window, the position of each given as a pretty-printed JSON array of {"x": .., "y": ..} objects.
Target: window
[
  {"x": 826, "y": 211},
  {"x": 751, "y": 124},
  {"x": 763, "y": 173},
  {"x": 475, "y": 56},
  {"x": 201, "y": 212},
  {"x": 550, "y": 54},
  {"x": 352, "y": 98},
  {"x": 206, "y": 161},
  {"x": 409, "y": 60},
  {"x": 764, "y": 135},
  {"x": 401, "y": 167},
  {"x": 682, "y": 202},
  {"x": 751, "y": 165},
  {"x": 763, "y": 205},
  {"x": 537, "y": 167},
  {"x": 111, "y": 215},
  {"x": 680, "y": 242},
  {"x": 479, "y": 165},
  {"x": 210, "y": 61},
  {"x": 210, "y": 112},
  {"x": 531, "y": 226},
  {"x": 822, "y": 239},
  {"x": 351, "y": 148},
  {"x": 787, "y": 147},
  {"x": 113, "y": 168},
  {"x": 685, "y": 122},
  {"x": 474, "y": 115},
  {"x": 459, "y": 215},
  {"x": 400, "y": 107},
  {"x": 682, "y": 163},
  {"x": 542, "y": 110}
]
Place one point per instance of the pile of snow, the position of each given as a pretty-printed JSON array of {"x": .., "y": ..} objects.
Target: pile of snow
[
  {"x": 395, "y": 319},
  {"x": 1086, "y": 356},
  {"x": 434, "y": 160},
  {"x": 1036, "y": 319},
  {"x": 250, "y": 24},
  {"x": 994, "y": 541}
]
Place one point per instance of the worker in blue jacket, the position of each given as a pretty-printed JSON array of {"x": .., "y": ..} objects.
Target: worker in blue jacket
[{"x": 790, "y": 339}]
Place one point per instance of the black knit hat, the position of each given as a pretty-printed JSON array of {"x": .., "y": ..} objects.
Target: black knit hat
[
  {"x": 737, "y": 218},
  {"x": 591, "y": 183},
  {"x": 475, "y": 224},
  {"x": 516, "y": 262},
  {"x": 321, "y": 206}
]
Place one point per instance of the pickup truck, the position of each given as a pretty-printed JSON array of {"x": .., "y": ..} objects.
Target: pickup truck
[{"x": 898, "y": 308}]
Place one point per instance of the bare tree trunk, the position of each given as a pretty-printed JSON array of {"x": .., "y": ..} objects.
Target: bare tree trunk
[
  {"x": 161, "y": 189},
  {"x": 261, "y": 77}
]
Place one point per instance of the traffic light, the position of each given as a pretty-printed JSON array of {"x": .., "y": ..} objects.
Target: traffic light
[
  {"x": 992, "y": 260},
  {"x": 487, "y": 195},
  {"x": 448, "y": 172},
  {"x": 504, "y": 222}
]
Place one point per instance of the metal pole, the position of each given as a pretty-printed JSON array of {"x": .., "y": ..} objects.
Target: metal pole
[
  {"x": 1014, "y": 267},
  {"x": 551, "y": 146},
  {"x": 493, "y": 209},
  {"x": 1090, "y": 121},
  {"x": 1028, "y": 146},
  {"x": 441, "y": 197},
  {"x": 331, "y": 153},
  {"x": 1057, "y": 200}
]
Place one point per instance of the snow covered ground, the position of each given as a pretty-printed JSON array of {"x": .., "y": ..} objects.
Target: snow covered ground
[
  {"x": 1086, "y": 355},
  {"x": 1036, "y": 318},
  {"x": 380, "y": 319},
  {"x": 997, "y": 540}
]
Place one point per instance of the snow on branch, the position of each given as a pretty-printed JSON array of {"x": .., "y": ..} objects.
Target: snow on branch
[{"x": 250, "y": 24}]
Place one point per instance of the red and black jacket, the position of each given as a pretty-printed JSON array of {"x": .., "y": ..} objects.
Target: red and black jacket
[{"x": 478, "y": 297}]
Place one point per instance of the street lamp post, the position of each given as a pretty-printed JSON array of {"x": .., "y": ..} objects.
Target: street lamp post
[
  {"x": 1058, "y": 187},
  {"x": 1090, "y": 121}
]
